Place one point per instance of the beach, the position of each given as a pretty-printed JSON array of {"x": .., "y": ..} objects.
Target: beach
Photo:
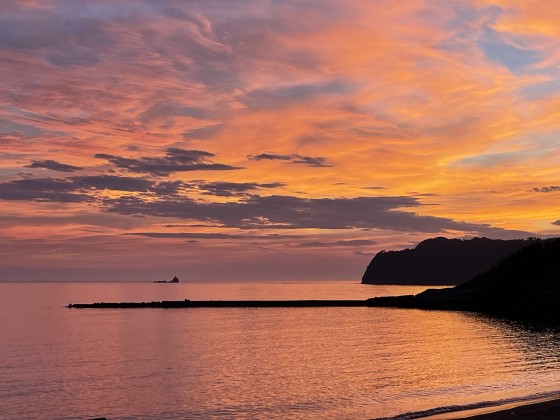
[{"x": 542, "y": 409}]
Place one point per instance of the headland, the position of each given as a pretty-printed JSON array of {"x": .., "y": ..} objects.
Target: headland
[{"x": 440, "y": 261}]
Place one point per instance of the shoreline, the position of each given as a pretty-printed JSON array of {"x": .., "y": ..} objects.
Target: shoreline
[{"x": 545, "y": 408}]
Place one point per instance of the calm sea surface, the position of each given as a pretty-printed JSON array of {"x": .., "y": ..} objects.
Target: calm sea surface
[{"x": 344, "y": 363}]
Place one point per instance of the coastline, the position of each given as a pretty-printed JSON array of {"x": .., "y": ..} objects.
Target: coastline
[{"x": 547, "y": 408}]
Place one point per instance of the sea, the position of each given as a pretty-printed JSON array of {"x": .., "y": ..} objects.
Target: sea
[{"x": 257, "y": 363}]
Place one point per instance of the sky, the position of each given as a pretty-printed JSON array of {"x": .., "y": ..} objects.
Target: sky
[{"x": 270, "y": 140}]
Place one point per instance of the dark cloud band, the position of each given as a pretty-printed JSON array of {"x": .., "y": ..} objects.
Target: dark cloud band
[
  {"x": 53, "y": 165},
  {"x": 175, "y": 160},
  {"x": 551, "y": 188}
]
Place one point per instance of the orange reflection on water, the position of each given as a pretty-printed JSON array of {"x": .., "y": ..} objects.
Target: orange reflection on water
[{"x": 258, "y": 363}]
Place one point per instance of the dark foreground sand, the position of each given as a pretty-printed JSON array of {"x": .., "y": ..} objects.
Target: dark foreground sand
[
  {"x": 543, "y": 410},
  {"x": 530, "y": 410}
]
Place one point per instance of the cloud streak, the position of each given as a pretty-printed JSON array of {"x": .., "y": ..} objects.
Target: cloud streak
[
  {"x": 317, "y": 162},
  {"x": 53, "y": 165},
  {"x": 551, "y": 188},
  {"x": 175, "y": 160},
  {"x": 192, "y": 235},
  {"x": 350, "y": 243}
]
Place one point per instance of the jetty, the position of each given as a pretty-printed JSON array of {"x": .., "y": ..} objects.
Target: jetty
[{"x": 226, "y": 304}]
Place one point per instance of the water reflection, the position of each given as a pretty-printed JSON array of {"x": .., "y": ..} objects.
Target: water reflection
[
  {"x": 537, "y": 346},
  {"x": 258, "y": 363}
]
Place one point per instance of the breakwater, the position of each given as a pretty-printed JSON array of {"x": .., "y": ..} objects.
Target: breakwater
[{"x": 229, "y": 304}]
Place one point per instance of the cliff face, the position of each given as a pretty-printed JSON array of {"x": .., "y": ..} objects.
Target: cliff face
[
  {"x": 525, "y": 286},
  {"x": 440, "y": 261}
]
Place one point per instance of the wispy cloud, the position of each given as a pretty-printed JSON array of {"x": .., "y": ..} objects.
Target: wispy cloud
[
  {"x": 350, "y": 243},
  {"x": 193, "y": 235},
  {"x": 317, "y": 162}
]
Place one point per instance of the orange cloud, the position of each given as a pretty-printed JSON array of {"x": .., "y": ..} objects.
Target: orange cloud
[{"x": 450, "y": 107}]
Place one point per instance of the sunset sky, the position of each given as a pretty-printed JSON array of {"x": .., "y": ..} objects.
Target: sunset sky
[{"x": 270, "y": 140}]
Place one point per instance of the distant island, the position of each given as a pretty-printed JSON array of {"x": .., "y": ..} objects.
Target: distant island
[
  {"x": 440, "y": 261},
  {"x": 175, "y": 280},
  {"x": 525, "y": 286}
]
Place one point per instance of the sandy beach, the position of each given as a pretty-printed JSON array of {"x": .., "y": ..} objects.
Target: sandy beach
[{"x": 543, "y": 409}]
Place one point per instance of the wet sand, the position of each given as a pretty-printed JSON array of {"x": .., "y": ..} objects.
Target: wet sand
[{"x": 543, "y": 409}]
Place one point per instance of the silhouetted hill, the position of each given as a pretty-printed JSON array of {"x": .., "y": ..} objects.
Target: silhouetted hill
[
  {"x": 524, "y": 286},
  {"x": 440, "y": 261}
]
